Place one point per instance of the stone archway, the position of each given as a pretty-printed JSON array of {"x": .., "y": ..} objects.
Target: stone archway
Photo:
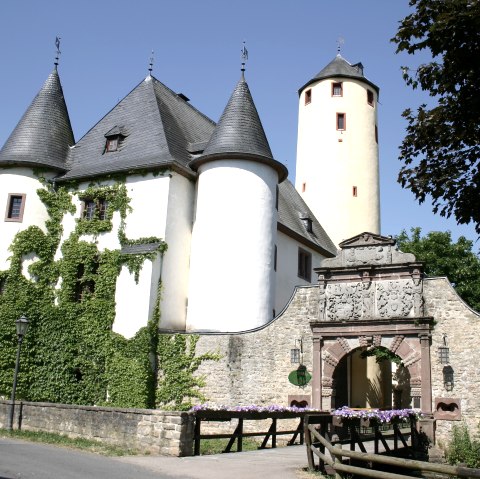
[
  {"x": 371, "y": 294},
  {"x": 335, "y": 352}
]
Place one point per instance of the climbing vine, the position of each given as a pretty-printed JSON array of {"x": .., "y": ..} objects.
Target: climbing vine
[
  {"x": 381, "y": 354},
  {"x": 71, "y": 354}
]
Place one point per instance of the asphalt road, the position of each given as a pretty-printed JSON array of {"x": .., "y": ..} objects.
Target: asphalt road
[
  {"x": 22, "y": 460},
  {"x": 26, "y": 460}
]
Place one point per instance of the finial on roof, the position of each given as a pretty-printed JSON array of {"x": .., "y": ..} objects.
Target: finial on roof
[
  {"x": 57, "y": 44},
  {"x": 340, "y": 42},
  {"x": 150, "y": 67},
  {"x": 244, "y": 59}
]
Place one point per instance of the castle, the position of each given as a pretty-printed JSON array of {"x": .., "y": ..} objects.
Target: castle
[{"x": 222, "y": 228}]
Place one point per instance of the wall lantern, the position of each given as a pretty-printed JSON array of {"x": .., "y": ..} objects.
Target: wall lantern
[
  {"x": 22, "y": 326},
  {"x": 296, "y": 354},
  {"x": 444, "y": 352}
]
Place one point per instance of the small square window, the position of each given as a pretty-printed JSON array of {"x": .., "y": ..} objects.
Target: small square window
[
  {"x": 370, "y": 97},
  {"x": 15, "y": 207},
  {"x": 337, "y": 89},
  {"x": 341, "y": 121},
  {"x": 308, "y": 97},
  {"x": 95, "y": 209},
  {"x": 304, "y": 265},
  {"x": 112, "y": 144}
]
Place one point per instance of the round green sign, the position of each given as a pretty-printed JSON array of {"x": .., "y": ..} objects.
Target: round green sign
[{"x": 300, "y": 377}]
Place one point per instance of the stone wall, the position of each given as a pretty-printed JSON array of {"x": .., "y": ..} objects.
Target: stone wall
[
  {"x": 255, "y": 365},
  {"x": 460, "y": 326},
  {"x": 144, "y": 430}
]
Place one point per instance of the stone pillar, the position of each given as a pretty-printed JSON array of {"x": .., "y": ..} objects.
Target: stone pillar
[
  {"x": 317, "y": 373},
  {"x": 426, "y": 374}
]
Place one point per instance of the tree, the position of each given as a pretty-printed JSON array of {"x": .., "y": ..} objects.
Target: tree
[
  {"x": 443, "y": 257},
  {"x": 440, "y": 152}
]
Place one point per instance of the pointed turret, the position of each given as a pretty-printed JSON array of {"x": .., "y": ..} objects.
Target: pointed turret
[
  {"x": 44, "y": 134},
  {"x": 341, "y": 68},
  {"x": 240, "y": 134},
  {"x": 235, "y": 212}
]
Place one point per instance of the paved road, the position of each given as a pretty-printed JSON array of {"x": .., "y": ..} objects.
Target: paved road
[{"x": 25, "y": 460}]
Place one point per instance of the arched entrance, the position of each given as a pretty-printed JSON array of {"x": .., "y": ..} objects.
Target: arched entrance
[{"x": 362, "y": 380}]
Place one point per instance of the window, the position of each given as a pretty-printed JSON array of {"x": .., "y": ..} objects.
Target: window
[
  {"x": 276, "y": 197},
  {"x": 95, "y": 209},
  {"x": 376, "y": 134},
  {"x": 275, "y": 259},
  {"x": 304, "y": 265},
  {"x": 337, "y": 89},
  {"x": 354, "y": 191},
  {"x": 444, "y": 354},
  {"x": 308, "y": 97},
  {"x": 15, "y": 207},
  {"x": 304, "y": 187},
  {"x": 370, "y": 97},
  {"x": 341, "y": 121},
  {"x": 112, "y": 144},
  {"x": 3, "y": 284}
]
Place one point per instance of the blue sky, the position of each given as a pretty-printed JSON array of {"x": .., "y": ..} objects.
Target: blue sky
[{"x": 106, "y": 48}]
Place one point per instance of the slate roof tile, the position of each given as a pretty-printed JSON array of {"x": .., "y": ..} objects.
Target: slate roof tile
[
  {"x": 44, "y": 134},
  {"x": 160, "y": 124},
  {"x": 291, "y": 209}
]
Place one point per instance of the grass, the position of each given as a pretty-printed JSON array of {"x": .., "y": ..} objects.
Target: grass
[
  {"x": 217, "y": 446},
  {"x": 64, "y": 441}
]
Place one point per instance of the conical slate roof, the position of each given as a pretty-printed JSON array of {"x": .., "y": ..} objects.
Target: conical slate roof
[
  {"x": 340, "y": 68},
  {"x": 158, "y": 128},
  {"x": 44, "y": 134},
  {"x": 239, "y": 134}
]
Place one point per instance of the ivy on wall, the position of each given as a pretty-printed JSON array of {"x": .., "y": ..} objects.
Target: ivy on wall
[{"x": 70, "y": 353}]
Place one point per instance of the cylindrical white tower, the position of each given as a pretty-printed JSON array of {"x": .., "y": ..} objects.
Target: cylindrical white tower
[
  {"x": 337, "y": 150},
  {"x": 235, "y": 225},
  {"x": 41, "y": 141}
]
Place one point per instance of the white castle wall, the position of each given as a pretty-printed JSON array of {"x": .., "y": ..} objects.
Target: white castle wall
[
  {"x": 21, "y": 181},
  {"x": 286, "y": 277},
  {"x": 331, "y": 162},
  {"x": 231, "y": 269}
]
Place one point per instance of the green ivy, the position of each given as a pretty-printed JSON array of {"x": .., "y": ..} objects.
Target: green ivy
[
  {"x": 381, "y": 354},
  {"x": 70, "y": 353}
]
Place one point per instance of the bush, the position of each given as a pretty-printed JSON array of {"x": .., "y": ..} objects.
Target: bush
[{"x": 462, "y": 448}]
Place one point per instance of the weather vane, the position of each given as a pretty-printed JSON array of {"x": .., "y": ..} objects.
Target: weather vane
[
  {"x": 340, "y": 42},
  {"x": 150, "y": 67},
  {"x": 57, "y": 44},
  {"x": 244, "y": 57}
]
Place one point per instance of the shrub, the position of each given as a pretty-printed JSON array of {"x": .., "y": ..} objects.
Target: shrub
[{"x": 462, "y": 448}]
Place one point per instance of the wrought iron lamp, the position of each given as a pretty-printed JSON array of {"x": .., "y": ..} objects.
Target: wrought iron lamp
[{"x": 22, "y": 326}]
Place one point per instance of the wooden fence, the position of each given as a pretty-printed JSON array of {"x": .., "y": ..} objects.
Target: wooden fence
[
  {"x": 318, "y": 443},
  {"x": 239, "y": 433}
]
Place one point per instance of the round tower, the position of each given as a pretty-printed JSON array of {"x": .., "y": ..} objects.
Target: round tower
[
  {"x": 40, "y": 141},
  {"x": 235, "y": 223},
  {"x": 337, "y": 150}
]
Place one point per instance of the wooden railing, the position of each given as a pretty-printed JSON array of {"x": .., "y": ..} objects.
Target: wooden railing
[
  {"x": 319, "y": 445},
  {"x": 238, "y": 434}
]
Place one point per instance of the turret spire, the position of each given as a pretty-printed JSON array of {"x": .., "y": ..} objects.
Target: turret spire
[
  {"x": 57, "y": 57},
  {"x": 150, "y": 67},
  {"x": 244, "y": 59}
]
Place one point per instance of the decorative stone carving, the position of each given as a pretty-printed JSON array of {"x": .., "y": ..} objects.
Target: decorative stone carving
[
  {"x": 418, "y": 300},
  {"x": 368, "y": 297},
  {"x": 327, "y": 392},
  {"x": 322, "y": 298},
  {"x": 327, "y": 382},
  {"x": 397, "y": 340},
  {"x": 377, "y": 340},
  {"x": 344, "y": 301},
  {"x": 329, "y": 359},
  {"x": 344, "y": 343},
  {"x": 411, "y": 359},
  {"x": 394, "y": 298},
  {"x": 365, "y": 341}
]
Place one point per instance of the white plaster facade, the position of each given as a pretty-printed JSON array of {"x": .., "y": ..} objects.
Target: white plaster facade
[
  {"x": 337, "y": 169},
  {"x": 233, "y": 246}
]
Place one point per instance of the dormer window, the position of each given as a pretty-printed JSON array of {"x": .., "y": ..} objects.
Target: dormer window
[
  {"x": 307, "y": 222},
  {"x": 112, "y": 144},
  {"x": 115, "y": 137}
]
